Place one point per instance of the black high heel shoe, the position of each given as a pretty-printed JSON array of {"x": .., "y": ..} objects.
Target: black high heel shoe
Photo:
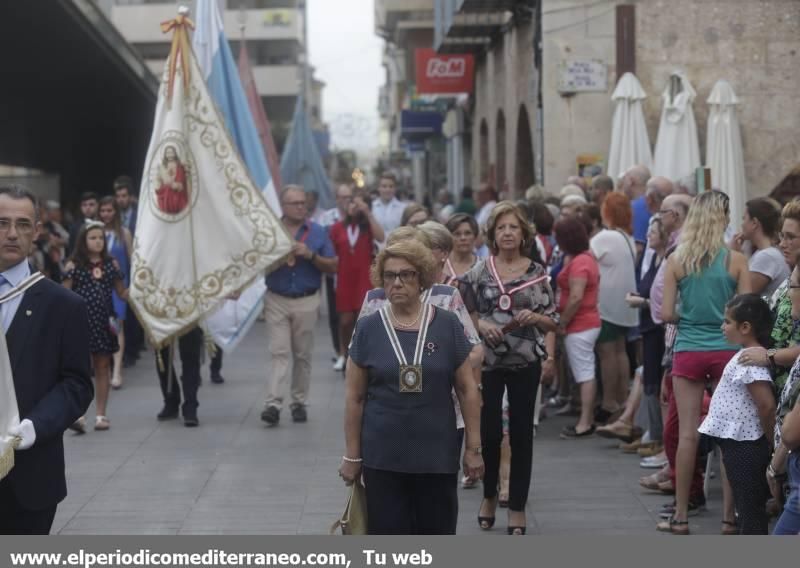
[
  {"x": 513, "y": 530},
  {"x": 485, "y": 523}
]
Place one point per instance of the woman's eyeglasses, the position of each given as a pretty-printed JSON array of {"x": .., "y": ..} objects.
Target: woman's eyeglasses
[{"x": 405, "y": 277}]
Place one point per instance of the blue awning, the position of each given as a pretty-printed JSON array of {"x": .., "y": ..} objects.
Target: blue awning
[{"x": 420, "y": 124}]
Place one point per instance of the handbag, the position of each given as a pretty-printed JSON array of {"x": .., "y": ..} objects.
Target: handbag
[{"x": 354, "y": 519}]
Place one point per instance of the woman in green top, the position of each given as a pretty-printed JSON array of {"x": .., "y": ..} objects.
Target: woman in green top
[{"x": 707, "y": 275}]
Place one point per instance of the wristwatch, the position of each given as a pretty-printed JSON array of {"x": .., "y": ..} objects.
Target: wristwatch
[
  {"x": 477, "y": 450},
  {"x": 771, "y": 358}
]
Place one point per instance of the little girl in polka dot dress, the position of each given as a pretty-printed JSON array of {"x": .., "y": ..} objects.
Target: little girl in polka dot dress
[
  {"x": 93, "y": 274},
  {"x": 742, "y": 414}
]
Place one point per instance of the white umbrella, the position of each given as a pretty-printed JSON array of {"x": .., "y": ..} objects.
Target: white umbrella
[
  {"x": 630, "y": 144},
  {"x": 724, "y": 148},
  {"x": 677, "y": 150}
]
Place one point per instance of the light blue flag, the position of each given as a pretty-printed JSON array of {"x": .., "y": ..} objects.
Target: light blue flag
[
  {"x": 222, "y": 77},
  {"x": 230, "y": 324},
  {"x": 301, "y": 163}
]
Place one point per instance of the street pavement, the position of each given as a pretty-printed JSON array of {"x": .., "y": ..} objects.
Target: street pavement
[{"x": 234, "y": 475}]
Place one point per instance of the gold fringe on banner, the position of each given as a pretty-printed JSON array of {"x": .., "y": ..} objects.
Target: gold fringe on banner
[
  {"x": 181, "y": 48},
  {"x": 7, "y": 458}
]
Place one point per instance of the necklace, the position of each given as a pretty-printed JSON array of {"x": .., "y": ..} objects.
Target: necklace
[{"x": 401, "y": 324}]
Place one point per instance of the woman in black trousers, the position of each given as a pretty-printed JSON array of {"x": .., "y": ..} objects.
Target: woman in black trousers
[{"x": 515, "y": 303}]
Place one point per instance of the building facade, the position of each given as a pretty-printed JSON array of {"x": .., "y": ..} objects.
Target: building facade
[{"x": 274, "y": 32}]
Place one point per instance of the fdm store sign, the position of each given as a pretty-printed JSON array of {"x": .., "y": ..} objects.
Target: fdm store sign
[
  {"x": 444, "y": 74},
  {"x": 582, "y": 76}
]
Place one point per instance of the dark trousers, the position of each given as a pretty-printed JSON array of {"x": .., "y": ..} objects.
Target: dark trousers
[
  {"x": 522, "y": 385},
  {"x": 333, "y": 315},
  {"x": 653, "y": 351},
  {"x": 134, "y": 336},
  {"x": 745, "y": 463},
  {"x": 190, "y": 347},
  {"x": 216, "y": 361},
  {"x": 411, "y": 503},
  {"x": 16, "y": 520}
]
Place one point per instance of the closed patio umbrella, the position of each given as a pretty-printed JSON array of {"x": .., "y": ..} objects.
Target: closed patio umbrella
[
  {"x": 724, "y": 149},
  {"x": 630, "y": 144},
  {"x": 677, "y": 151}
]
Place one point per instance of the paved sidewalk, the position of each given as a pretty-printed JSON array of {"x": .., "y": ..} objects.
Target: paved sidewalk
[{"x": 232, "y": 475}]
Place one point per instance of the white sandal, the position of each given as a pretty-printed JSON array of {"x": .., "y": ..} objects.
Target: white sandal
[{"x": 102, "y": 423}]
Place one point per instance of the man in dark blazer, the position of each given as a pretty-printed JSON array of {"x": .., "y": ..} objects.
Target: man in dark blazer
[{"x": 47, "y": 332}]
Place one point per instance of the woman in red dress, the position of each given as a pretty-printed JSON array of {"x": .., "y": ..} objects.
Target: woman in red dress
[
  {"x": 173, "y": 191},
  {"x": 354, "y": 241}
]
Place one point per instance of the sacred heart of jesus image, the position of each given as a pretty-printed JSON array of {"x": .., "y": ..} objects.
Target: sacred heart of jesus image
[{"x": 173, "y": 179}]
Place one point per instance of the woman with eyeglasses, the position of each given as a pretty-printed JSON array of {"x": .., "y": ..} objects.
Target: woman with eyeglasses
[
  {"x": 516, "y": 308},
  {"x": 405, "y": 360},
  {"x": 760, "y": 223},
  {"x": 706, "y": 275}
]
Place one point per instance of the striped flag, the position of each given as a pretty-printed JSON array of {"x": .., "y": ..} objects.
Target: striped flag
[
  {"x": 230, "y": 324},
  {"x": 222, "y": 77}
]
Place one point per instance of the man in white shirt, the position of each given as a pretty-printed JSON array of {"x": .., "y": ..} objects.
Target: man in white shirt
[{"x": 388, "y": 210}]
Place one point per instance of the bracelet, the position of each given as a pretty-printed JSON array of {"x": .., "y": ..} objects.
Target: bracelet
[
  {"x": 775, "y": 475},
  {"x": 352, "y": 460}
]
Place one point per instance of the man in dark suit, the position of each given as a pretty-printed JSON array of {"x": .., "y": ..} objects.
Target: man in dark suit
[{"x": 47, "y": 331}]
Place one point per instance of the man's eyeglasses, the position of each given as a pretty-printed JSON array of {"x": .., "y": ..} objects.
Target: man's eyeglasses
[
  {"x": 22, "y": 226},
  {"x": 663, "y": 212},
  {"x": 787, "y": 237},
  {"x": 405, "y": 277},
  {"x": 294, "y": 203}
]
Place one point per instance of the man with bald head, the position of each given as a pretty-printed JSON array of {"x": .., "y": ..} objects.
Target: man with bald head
[{"x": 658, "y": 188}]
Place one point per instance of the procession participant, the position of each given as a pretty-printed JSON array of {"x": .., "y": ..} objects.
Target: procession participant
[
  {"x": 119, "y": 244},
  {"x": 388, "y": 210},
  {"x": 51, "y": 392},
  {"x": 462, "y": 258},
  {"x": 89, "y": 208},
  {"x": 516, "y": 308},
  {"x": 344, "y": 195},
  {"x": 190, "y": 350},
  {"x": 409, "y": 356},
  {"x": 292, "y": 307},
  {"x": 352, "y": 240},
  {"x": 94, "y": 274},
  {"x": 414, "y": 215}
]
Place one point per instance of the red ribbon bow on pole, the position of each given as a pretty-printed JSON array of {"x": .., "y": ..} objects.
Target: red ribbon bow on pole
[{"x": 181, "y": 48}]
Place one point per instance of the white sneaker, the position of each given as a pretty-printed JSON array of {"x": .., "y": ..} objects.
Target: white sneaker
[
  {"x": 339, "y": 365},
  {"x": 654, "y": 462}
]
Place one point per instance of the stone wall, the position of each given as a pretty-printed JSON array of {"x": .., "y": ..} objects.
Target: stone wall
[
  {"x": 754, "y": 44},
  {"x": 505, "y": 81}
]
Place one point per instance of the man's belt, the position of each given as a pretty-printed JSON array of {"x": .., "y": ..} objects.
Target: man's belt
[{"x": 297, "y": 296}]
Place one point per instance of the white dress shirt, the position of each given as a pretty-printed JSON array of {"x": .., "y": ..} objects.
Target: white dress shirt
[
  {"x": 13, "y": 276},
  {"x": 389, "y": 214}
]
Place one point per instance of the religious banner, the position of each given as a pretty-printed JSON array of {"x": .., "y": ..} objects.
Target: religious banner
[
  {"x": 204, "y": 230},
  {"x": 9, "y": 414}
]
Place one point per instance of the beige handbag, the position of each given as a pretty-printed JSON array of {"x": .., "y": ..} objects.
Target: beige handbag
[{"x": 354, "y": 518}]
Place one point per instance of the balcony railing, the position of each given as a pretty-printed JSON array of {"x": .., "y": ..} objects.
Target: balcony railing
[{"x": 461, "y": 25}]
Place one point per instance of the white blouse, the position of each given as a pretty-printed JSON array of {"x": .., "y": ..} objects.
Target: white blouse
[{"x": 733, "y": 415}]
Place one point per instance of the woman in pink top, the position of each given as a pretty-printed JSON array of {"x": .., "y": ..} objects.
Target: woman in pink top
[{"x": 578, "y": 285}]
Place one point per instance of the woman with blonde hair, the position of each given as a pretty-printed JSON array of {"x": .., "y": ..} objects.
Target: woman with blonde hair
[
  {"x": 706, "y": 275},
  {"x": 516, "y": 308},
  {"x": 404, "y": 362}
]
